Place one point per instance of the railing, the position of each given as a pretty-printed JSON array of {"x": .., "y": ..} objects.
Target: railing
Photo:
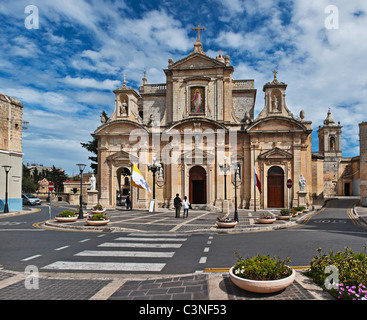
[
  {"x": 243, "y": 84},
  {"x": 153, "y": 88}
]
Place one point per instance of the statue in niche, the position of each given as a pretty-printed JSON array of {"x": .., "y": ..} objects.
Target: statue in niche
[
  {"x": 302, "y": 183},
  {"x": 275, "y": 103},
  {"x": 124, "y": 109}
]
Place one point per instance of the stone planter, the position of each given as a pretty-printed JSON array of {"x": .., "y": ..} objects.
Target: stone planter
[
  {"x": 305, "y": 211},
  {"x": 265, "y": 221},
  {"x": 66, "y": 219},
  {"x": 98, "y": 211},
  {"x": 283, "y": 217},
  {"x": 97, "y": 222},
  {"x": 226, "y": 224},
  {"x": 262, "y": 286}
]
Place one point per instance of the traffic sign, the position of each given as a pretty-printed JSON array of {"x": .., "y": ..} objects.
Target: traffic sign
[
  {"x": 289, "y": 183},
  {"x": 51, "y": 186}
]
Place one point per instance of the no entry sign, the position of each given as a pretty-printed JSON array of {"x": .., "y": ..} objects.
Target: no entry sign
[
  {"x": 289, "y": 183},
  {"x": 51, "y": 186}
]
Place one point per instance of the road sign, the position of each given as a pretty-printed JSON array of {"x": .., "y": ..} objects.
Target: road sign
[
  {"x": 289, "y": 183},
  {"x": 51, "y": 186}
]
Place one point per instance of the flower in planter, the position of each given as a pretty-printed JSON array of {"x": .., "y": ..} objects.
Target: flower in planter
[
  {"x": 225, "y": 219},
  {"x": 98, "y": 207},
  {"x": 66, "y": 213},
  {"x": 97, "y": 217},
  {"x": 262, "y": 267},
  {"x": 266, "y": 216}
]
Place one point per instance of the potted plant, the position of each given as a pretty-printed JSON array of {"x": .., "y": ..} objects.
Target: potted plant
[
  {"x": 265, "y": 218},
  {"x": 262, "y": 274},
  {"x": 97, "y": 219},
  {"x": 66, "y": 216},
  {"x": 98, "y": 208},
  {"x": 224, "y": 222},
  {"x": 284, "y": 214}
]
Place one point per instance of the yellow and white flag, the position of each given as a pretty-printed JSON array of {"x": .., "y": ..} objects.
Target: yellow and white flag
[{"x": 138, "y": 179}]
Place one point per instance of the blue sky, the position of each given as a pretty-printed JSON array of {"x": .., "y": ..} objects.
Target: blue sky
[{"x": 64, "y": 72}]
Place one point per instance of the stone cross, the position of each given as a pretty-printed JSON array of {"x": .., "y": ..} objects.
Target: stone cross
[{"x": 198, "y": 29}]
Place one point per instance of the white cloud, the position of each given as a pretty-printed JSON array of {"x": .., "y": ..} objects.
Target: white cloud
[{"x": 92, "y": 83}]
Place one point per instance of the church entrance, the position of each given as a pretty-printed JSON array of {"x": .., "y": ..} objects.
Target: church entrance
[
  {"x": 197, "y": 182},
  {"x": 275, "y": 187}
]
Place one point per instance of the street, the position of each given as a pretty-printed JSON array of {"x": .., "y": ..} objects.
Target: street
[{"x": 23, "y": 243}]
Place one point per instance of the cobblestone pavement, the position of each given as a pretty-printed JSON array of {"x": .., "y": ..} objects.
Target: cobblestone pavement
[{"x": 198, "y": 286}]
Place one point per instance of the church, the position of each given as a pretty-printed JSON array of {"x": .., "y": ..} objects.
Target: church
[{"x": 196, "y": 135}]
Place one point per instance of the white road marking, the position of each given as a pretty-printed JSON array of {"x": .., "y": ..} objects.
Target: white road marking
[
  {"x": 202, "y": 260},
  {"x": 61, "y": 248},
  {"x": 140, "y": 245},
  {"x": 148, "y": 239},
  {"x": 108, "y": 266},
  {"x": 138, "y": 254},
  {"x": 33, "y": 257}
]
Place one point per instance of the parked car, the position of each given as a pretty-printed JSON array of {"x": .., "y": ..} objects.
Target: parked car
[{"x": 30, "y": 199}]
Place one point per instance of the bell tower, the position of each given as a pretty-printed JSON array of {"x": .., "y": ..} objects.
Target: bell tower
[{"x": 330, "y": 138}]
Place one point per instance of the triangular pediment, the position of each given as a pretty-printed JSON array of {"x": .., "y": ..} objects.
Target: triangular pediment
[
  {"x": 196, "y": 61},
  {"x": 121, "y": 156},
  {"x": 276, "y": 124},
  {"x": 276, "y": 153}
]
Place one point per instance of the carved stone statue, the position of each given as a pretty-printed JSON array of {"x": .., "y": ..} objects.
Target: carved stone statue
[
  {"x": 124, "y": 109},
  {"x": 92, "y": 181},
  {"x": 302, "y": 183}
]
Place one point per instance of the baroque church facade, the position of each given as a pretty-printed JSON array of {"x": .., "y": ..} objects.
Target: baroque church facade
[{"x": 199, "y": 126}]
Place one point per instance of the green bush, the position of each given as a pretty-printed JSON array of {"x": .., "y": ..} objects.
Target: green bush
[
  {"x": 299, "y": 208},
  {"x": 284, "y": 212},
  {"x": 352, "y": 269},
  {"x": 67, "y": 213},
  {"x": 262, "y": 267},
  {"x": 98, "y": 216}
]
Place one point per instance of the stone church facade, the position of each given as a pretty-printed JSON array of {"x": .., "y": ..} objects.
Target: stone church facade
[{"x": 198, "y": 121}]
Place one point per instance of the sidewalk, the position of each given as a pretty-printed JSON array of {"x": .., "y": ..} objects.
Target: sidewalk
[
  {"x": 197, "y": 286},
  {"x": 122, "y": 220}
]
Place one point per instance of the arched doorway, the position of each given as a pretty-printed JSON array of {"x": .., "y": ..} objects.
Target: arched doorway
[
  {"x": 275, "y": 187},
  {"x": 197, "y": 182}
]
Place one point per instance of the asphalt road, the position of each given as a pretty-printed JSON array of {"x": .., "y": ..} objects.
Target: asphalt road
[{"x": 22, "y": 243}]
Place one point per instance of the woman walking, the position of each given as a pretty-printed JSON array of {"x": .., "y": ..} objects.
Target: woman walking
[{"x": 186, "y": 206}]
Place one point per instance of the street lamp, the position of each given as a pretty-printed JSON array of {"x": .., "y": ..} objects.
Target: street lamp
[
  {"x": 154, "y": 167},
  {"x": 225, "y": 167},
  {"x": 6, "y": 207},
  {"x": 236, "y": 172},
  {"x": 81, "y": 169}
]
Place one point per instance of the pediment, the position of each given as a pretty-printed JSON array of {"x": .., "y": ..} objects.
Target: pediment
[
  {"x": 119, "y": 127},
  {"x": 276, "y": 153},
  {"x": 279, "y": 124},
  {"x": 121, "y": 157},
  {"x": 197, "y": 156},
  {"x": 196, "y": 61}
]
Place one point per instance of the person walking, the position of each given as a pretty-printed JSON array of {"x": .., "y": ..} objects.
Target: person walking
[
  {"x": 177, "y": 203},
  {"x": 186, "y": 205},
  {"x": 128, "y": 202}
]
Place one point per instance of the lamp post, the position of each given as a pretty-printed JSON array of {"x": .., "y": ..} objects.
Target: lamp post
[
  {"x": 225, "y": 167},
  {"x": 236, "y": 169},
  {"x": 81, "y": 169},
  {"x": 154, "y": 167},
  {"x": 7, "y": 169}
]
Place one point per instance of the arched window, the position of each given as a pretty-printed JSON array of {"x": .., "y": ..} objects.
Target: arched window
[{"x": 332, "y": 144}]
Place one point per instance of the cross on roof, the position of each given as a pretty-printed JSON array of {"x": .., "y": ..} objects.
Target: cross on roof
[{"x": 198, "y": 29}]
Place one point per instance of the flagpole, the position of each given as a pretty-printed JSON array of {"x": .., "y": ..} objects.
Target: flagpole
[
  {"x": 254, "y": 183},
  {"x": 131, "y": 185}
]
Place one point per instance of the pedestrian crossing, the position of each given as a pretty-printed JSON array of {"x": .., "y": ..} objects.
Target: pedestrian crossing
[{"x": 135, "y": 252}]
